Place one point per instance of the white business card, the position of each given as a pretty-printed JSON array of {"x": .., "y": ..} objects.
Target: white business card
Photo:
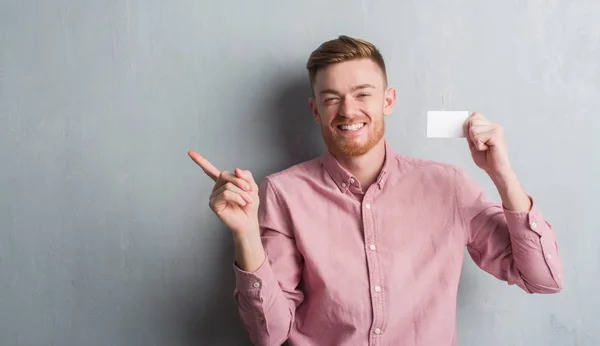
[{"x": 446, "y": 124}]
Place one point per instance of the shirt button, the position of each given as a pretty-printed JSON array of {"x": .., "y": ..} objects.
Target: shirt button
[
  {"x": 351, "y": 181},
  {"x": 377, "y": 289},
  {"x": 343, "y": 184},
  {"x": 372, "y": 247},
  {"x": 533, "y": 224},
  {"x": 368, "y": 206},
  {"x": 548, "y": 256},
  {"x": 377, "y": 331},
  {"x": 256, "y": 284}
]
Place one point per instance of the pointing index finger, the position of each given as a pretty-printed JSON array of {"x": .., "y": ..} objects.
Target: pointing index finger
[{"x": 206, "y": 166}]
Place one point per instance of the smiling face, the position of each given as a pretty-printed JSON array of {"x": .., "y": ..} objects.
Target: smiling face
[{"x": 350, "y": 101}]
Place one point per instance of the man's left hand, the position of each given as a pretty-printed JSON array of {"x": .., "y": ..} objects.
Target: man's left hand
[{"x": 487, "y": 145}]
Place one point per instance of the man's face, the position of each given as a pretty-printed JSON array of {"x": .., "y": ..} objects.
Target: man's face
[{"x": 349, "y": 104}]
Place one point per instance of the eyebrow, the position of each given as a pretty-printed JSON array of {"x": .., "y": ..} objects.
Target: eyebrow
[{"x": 354, "y": 88}]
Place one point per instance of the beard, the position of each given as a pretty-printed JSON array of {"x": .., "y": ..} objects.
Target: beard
[{"x": 349, "y": 147}]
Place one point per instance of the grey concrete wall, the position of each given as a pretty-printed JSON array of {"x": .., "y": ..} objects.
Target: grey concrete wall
[{"x": 106, "y": 237}]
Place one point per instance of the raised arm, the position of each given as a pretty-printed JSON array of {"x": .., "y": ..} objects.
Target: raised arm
[
  {"x": 268, "y": 297},
  {"x": 510, "y": 240},
  {"x": 267, "y": 264}
]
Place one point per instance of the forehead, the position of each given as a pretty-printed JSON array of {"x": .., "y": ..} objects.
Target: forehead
[{"x": 343, "y": 76}]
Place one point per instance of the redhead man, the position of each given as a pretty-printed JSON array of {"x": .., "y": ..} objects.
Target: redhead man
[{"x": 363, "y": 246}]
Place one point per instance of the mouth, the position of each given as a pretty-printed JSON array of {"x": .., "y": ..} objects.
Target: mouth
[{"x": 351, "y": 127}]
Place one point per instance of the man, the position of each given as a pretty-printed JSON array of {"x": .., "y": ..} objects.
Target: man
[{"x": 363, "y": 246}]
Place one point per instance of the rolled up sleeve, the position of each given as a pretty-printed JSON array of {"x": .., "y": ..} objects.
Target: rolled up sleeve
[{"x": 533, "y": 241}]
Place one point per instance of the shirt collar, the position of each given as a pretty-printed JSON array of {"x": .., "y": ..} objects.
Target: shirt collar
[{"x": 344, "y": 180}]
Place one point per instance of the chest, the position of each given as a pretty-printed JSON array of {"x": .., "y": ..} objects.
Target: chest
[{"x": 408, "y": 230}]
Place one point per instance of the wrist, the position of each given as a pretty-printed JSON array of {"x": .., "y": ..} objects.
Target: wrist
[
  {"x": 503, "y": 179},
  {"x": 246, "y": 236},
  {"x": 514, "y": 197},
  {"x": 249, "y": 250}
]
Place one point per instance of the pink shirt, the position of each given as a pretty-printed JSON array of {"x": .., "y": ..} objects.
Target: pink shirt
[{"x": 380, "y": 266}]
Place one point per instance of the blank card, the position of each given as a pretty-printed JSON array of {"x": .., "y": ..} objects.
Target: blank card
[{"x": 446, "y": 124}]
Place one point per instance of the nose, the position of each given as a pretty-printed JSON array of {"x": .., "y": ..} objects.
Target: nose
[{"x": 347, "y": 108}]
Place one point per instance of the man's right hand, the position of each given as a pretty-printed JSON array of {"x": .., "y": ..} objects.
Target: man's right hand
[
  {"x": 234, "y": 197},
  {"x": 235, "y": 200}
]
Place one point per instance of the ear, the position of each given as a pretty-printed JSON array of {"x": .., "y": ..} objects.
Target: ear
[
  {"x": 389, "y": 101},
  {"x": 312, "y": 103}
]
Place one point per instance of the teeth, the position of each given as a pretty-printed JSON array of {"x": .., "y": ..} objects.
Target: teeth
[{"x": 352, "y": 127}]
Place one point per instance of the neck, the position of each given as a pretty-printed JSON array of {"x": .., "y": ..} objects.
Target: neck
[{"x": 366, "y": 167}]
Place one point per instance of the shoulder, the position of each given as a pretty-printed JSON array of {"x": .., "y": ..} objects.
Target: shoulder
[
  {"x": 293, "y": 175},
  {"x": 419, "y": 166},
  {"x": 437, "y": 174}
]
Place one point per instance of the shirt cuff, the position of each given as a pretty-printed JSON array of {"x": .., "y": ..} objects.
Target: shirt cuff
[
  {"x": 524, "y": 222},
  {"x": 251, "y": 284}
]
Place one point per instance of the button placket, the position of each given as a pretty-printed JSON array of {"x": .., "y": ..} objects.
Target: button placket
[{"x": 377, "y": 300}]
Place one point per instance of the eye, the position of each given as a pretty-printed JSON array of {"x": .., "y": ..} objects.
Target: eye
[
  {"x": 363, "y": 95},
  {"x": 330, "y": 100}
]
